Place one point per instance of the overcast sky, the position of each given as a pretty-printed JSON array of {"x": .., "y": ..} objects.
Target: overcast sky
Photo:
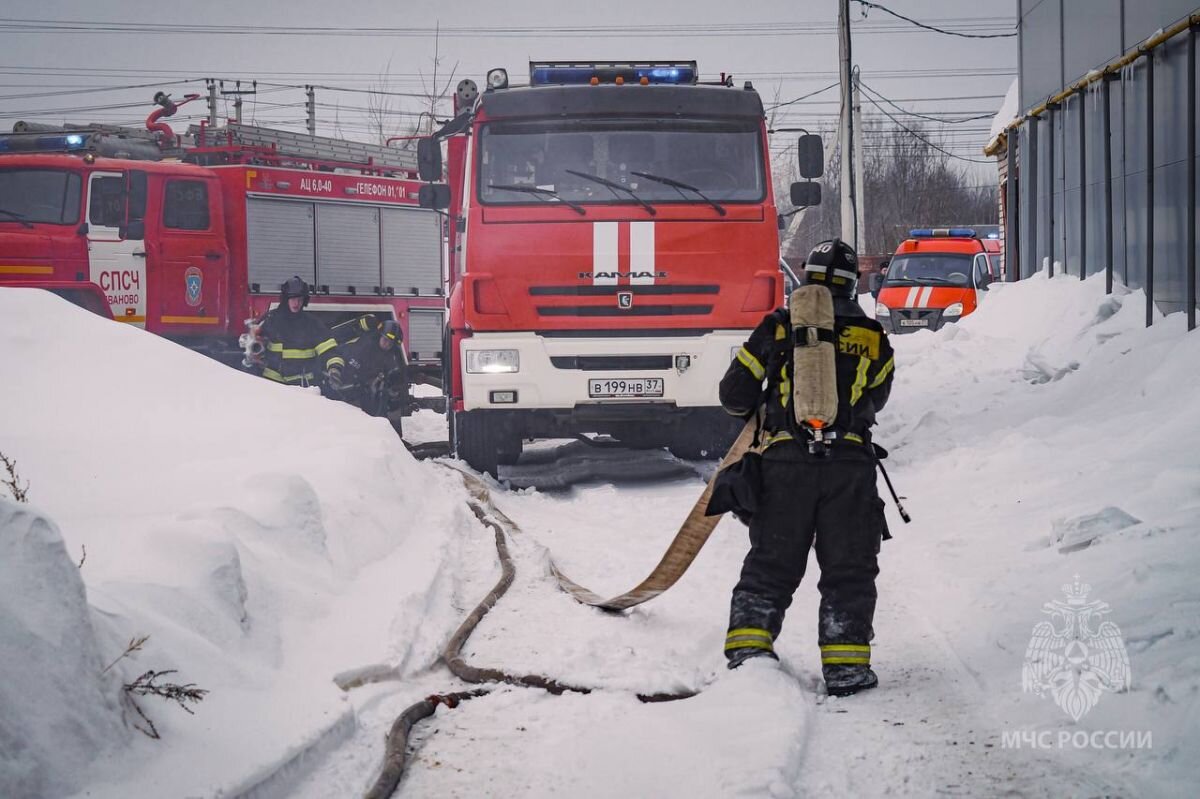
[{"x": 787, "y": 48}]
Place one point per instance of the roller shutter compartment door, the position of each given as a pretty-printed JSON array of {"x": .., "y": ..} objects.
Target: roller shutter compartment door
[
  {"x": 348, "y": 248},
  {"x": 424, "y": 335},
  {"x": 279, "y": 242},
  {"x": 412, "y": 251}
]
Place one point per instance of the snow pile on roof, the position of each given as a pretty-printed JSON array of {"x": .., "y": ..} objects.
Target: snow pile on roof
[
  {"x": 1007, "y": 112},
  {"x": 264, "y": 537},
  {"x": 53, "y": 695}
]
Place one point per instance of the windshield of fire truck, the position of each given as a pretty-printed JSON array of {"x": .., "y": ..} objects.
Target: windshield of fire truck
[
  {"x": 721, "y": 158},
  {"x": 929, "y": 269},
  {"x": 40, "y": 195}
]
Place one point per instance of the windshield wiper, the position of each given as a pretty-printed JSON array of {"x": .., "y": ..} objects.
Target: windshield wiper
[
  {"x": 615, "y": 187},
  {"x": 539, "y": 192},
  {"x": 678, "y": 186},
  {"x": 18, "y": 217}
]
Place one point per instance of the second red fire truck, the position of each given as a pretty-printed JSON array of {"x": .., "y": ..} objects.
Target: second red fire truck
[{"x": 190, "y": 240}]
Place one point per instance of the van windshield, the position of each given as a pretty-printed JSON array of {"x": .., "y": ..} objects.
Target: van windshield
[
  {"x": 929, "y": 269},
  {"x": 722, "y": 159},
  {"x": 39, "y": 195}
]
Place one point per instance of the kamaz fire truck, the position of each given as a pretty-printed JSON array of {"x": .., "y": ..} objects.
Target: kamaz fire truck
[
  {"x": 190, "y": 239},
  {"x": 613, "y": 239}
]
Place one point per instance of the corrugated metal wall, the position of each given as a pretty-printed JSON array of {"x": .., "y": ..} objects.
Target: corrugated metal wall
[{"x": 1063, "y": 221}]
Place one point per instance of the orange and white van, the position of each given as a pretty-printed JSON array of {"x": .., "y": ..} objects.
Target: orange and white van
[{"x": 937, "y": 276}]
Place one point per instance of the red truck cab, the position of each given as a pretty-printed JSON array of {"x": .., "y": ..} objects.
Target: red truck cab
[
  {"x": 614, "y": 241},
  {"x": 936, "y": 277}
]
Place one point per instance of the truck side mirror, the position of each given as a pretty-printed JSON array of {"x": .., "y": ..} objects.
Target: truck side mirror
[
  {"x": 811, "y": 154},
  {"x": 434, "y": 195},
  {"x": 134, "y": 230},
  {"x": 429, "y": 159},
  {"x": 806, "y": 194},
  {"x": 874, "y": 283}
]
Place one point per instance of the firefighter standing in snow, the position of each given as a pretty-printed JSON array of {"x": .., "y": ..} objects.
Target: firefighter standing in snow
[
  {"x": 299, "y": 349},
  {"x": 378, "y": 370},
  {"x": 814, "y": 484}
]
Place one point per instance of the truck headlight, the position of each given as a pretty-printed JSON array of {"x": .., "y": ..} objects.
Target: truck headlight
[
  {"x": 882, "y": 310},
  {"x": 954, "y": 309},
  {"x": 493, "y": 362}
]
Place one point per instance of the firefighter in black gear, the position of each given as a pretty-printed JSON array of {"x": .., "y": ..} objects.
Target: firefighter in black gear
[
  {"x": 810, "y": 489},
  {"x": 299, "y": 350},
  {"x": 377, "y": 378}
]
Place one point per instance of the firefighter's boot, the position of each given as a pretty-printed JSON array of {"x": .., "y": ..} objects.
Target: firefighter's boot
[
  {"x": 743, "y": 643},
  {"x": 844, "y": 680}
]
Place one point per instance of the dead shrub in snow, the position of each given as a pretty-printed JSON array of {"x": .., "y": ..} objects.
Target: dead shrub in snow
[
  {"x": 19, "y": 492},
  {"x": 147, "y": 685}
]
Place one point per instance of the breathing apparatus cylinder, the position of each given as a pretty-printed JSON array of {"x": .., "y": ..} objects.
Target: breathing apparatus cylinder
[{"x": 814, "y": 359}]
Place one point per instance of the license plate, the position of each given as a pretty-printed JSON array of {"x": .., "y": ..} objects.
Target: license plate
[
  {"x": 615, "y": 387},
  {"x": 914, "y": 323}
]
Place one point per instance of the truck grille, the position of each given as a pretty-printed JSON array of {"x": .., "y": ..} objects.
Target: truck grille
[
  {"x": 597, "y": 363},
  {"x": 611, "y": 291},
  {"x": 612, "y": 310}
]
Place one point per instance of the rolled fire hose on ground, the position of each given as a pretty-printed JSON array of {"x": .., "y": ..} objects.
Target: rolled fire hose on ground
[{"x": 396, "y": 750}]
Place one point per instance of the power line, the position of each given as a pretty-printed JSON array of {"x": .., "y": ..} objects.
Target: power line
[
  {"x": 959, "y": 121},
  {"x": 921, "y": 138},
  {"x": 766, "y": 29},
  {"x": 887, "y": 10},
  {"x": 801, "y": 97}
]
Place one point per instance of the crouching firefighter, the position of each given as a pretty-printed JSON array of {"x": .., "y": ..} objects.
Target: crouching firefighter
[
  {"x": 299, "y": 350},
  {"x": 378, "y": 376},
  {"x": 828, "y": 369}
]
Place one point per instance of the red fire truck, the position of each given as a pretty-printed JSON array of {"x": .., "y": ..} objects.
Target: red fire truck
[
  {"x": 613, "y": 239},
  {"x": 192, "y": 241}
]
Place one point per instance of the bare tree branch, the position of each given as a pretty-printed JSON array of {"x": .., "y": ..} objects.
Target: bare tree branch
[{"x": 19, "y": 492}]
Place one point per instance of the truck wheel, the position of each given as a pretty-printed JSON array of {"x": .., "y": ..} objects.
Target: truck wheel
[
  {"x": 478, "y": 440},
  {"x": 692, "y": 448}
]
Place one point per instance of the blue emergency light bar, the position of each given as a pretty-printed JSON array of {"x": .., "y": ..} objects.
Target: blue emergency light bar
[
  {"x": 33, "y": 143},
  {"x": 942, "y": 232},
  {"x": 563, "y": 73}
]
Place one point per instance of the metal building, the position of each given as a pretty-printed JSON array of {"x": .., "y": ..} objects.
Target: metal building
[{"x": 1099, "y": 166}]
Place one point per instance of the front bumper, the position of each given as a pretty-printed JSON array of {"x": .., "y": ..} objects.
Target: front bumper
[
  {"x": 910, "y": 320},
  {"x": 554, "y": 372}
]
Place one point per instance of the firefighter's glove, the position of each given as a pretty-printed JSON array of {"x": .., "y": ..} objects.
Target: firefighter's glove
[{"x": 333, "y": 378}]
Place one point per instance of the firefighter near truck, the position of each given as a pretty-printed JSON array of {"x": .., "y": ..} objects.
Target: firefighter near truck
[
  {"x": 191, "y": 237},
  {"x": 613, "y": 237}
]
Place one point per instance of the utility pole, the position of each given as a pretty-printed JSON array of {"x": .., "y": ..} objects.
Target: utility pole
[
  {"x": 237, "y": 94},
  {"x": 212, "y": 103},
  {"x": 860, "y": 230},
  {"x": 310, "y": 107},
  {"x": 849, "y": 223}
]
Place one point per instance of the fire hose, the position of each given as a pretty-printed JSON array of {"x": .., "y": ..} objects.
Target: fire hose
[{"x": 680, "y": 554}]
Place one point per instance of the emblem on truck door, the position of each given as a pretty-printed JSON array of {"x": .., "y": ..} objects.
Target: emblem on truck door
[
  {"x": 624, "y": 299},
  {"x": 193, "y": 282}
]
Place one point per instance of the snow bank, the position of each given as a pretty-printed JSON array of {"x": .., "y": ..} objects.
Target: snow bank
[
  {"x": 57, "y": 711},
  {"x": 1050, "y": 436},
  {"x": 264, "y": 537}
]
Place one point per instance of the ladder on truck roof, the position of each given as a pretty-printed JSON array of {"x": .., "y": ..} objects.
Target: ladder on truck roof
[{"x": 287, "y": 144}]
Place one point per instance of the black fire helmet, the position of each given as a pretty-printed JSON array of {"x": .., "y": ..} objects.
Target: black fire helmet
[{"x": 833, "y": 264}]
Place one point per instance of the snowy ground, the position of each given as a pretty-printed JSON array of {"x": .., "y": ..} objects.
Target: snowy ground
[{"x": 267, "y": 539}]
